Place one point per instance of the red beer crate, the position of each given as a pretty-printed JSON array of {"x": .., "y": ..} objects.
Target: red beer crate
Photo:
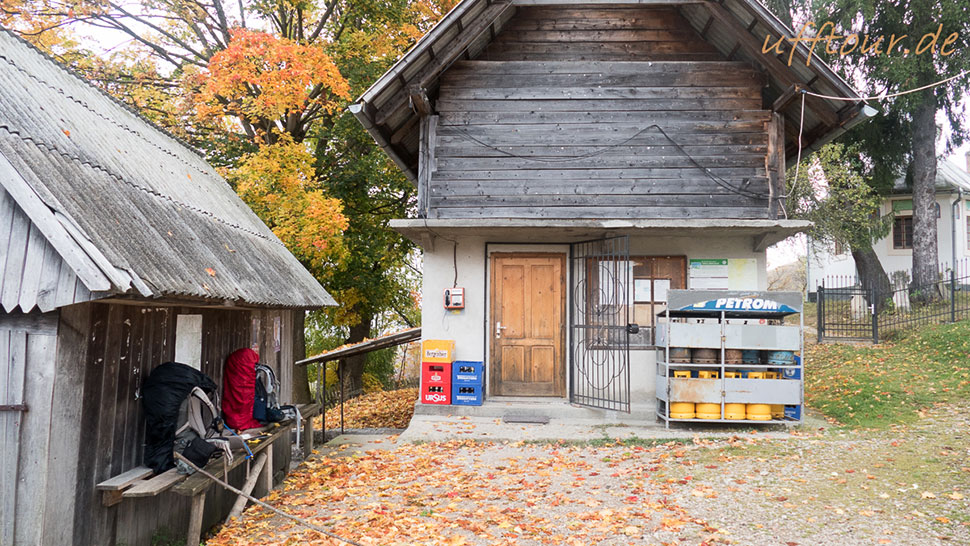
[
  {"x": 436, "y": 383},
  {"x": 436, "y": 373},
  {"x": 436, "y": 394}
]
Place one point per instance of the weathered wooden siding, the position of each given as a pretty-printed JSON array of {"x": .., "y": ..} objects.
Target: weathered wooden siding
[
  {"x": 126, "y": 342},
  {"x": 599, "y": 33},
  {"x": 564, "y": 115},
  {"x": 80, "y": 372},
  {"x": 32, "y": 274},
  {"x": 27, "y": 345}
]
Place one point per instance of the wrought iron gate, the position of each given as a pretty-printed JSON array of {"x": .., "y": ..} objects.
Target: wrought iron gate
[
  {"x": 845, "y": 313},
  {"x": 599, "y": 352}
]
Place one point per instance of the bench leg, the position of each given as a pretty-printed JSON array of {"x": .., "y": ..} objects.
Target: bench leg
[
  {"x": 247, "y": 487},
  {"x": 307, "y": 436},
  {"x": 268, "y": 470},
  {"x": 194, "y": 536}
]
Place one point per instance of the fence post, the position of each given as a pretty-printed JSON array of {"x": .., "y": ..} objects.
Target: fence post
[
  {"x": 875, "y": 314},
  {"x": 820, "y": 310},
  {"x": 953, "y": 295}
]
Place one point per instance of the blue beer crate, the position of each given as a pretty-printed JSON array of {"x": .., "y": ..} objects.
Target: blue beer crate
[
  {"x": 467, "y": 372},
  {"x": 793, "y": 412},
  {"x": 466, "y": 395}
]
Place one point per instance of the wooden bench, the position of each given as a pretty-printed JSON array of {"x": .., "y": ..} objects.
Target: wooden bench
[{"x": 139, "y": 482}]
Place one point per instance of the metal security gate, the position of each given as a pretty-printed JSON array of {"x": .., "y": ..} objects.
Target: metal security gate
[
  {"x": 599, "y": 352},
  {"x": 845, "y": 313}
]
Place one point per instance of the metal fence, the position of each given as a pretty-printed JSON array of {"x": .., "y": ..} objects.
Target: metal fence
[{"x": 849, "y": 312}]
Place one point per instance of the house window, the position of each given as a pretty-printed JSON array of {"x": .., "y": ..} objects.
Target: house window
[
  {"x": 653, "y": 276},
  {"x": 840, "y": 248},
  {"x": 903, "y": 232},
  {"x": 968, "y": 232}
]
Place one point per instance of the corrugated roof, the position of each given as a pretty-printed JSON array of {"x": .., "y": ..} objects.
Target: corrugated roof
[
  {"x": 156, "y": 218},
  {"x": 736, "y": 28}
]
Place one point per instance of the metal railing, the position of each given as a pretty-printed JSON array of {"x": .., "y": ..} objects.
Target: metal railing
[{"x": 849, "y": 312}]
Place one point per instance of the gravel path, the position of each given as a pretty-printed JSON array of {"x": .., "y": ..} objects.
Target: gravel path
[{"x": 819, "y": 487}]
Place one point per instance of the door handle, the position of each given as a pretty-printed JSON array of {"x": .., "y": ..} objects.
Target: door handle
[{"x": 498, "y": 329}]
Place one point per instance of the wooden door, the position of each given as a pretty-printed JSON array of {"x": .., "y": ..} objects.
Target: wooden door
[{"x": 527, "y": 325}]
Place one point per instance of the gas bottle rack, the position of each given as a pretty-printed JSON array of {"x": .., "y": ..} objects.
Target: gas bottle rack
[{"x": 722, "y": 320}]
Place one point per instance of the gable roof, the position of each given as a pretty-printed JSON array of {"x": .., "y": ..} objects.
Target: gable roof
[
  {"x": 949, "y": 176},
  {"x": 736, "y": 28},
  {"x": 129, "y": 209}
]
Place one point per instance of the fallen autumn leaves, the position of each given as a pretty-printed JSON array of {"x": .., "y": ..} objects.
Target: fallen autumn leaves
[
  {"x": 385, "y": 409},
  {"x": 461, "y": 493}
]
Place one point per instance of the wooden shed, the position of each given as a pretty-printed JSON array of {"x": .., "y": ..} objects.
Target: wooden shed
[
  {"x": 120, "y": 249},
  {"x": 576, "y": 159}
]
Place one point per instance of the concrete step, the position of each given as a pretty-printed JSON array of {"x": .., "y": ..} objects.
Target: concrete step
[{"x": 553, "y": 409}]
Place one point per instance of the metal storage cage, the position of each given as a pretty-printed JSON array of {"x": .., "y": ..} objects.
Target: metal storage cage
[{"x": 713, "y": 325}]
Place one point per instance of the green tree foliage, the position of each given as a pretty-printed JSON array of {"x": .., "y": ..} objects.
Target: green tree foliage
[
  {"x": 909, "y": 130},
  {"x": 832, "y": 192},
  {"x": 255, "y": 82}
]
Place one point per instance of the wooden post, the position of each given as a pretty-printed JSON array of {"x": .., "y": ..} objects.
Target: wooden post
[
  {"x": 268, "y": 469},
  {"x": 307, "y": 435},
  {"x": 195, "y": 520},
  {"x": 248, "y": 486}
]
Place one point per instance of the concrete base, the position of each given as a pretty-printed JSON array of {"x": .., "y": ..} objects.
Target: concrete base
[{"x": 499, "y": 407}]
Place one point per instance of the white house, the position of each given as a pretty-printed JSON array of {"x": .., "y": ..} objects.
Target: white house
[
  {"x": 575, "y": 160},
  {"x": 895, "y": 251}
]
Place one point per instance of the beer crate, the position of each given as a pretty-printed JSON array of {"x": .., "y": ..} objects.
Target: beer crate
[
  {"x": 436, "y": 394},
  {"x": 466, "y": 395},
  {"x": 466, "y": 372}
]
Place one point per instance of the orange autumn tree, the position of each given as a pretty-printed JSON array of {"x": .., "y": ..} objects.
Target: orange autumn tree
[
  {"x": 271, "y": 85},
  {"x": 275, "y": 88},
  {"x": 259, "y": 92}
]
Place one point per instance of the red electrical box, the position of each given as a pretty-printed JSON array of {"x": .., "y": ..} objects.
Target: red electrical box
[{"x": 435, "y": 383}]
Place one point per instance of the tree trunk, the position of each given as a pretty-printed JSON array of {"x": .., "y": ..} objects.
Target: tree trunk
[
  {"x": 301, "y": 384},
  {"x": 925, "y": 252},
  {"x": 353, "y": 367},
  {"x": 872, "y": 275}
]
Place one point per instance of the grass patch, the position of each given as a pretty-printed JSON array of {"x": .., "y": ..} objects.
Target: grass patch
[{"x": 876, "y": 386}]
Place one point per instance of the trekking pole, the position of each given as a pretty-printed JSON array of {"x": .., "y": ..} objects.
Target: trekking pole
[{"x": 300, "y": 521}]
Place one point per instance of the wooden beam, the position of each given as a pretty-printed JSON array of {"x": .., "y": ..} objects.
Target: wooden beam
[
  {"x": 392, "y": 340},
  {"x": 777, "y": 69},
  {"x": 420, "y": 102},
  {"x": 785, "y": 98},
  {"x": 247, "y": 488}
]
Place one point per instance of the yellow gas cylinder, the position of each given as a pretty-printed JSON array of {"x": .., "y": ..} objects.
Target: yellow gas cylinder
[
  {"x": 708, "y": 411},
  {"x": 777, "y": 410},
  {"x": 734, "y": 412},
  {"x": 682, "y": 410},
  {"x": 758, "y": 412}
]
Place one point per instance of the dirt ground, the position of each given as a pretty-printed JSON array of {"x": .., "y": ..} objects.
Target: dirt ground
[{"x": 818, "y": 486}]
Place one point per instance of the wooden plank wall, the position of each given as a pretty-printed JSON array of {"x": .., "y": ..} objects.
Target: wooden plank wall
[
  {"x": 27, "y": 346},
  {"x": 124, "y": 344},
  {"x": 32, "y": 274},
  {"x": 557, "y": 120}
]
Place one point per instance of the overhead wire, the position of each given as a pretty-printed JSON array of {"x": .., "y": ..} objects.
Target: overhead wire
[{"x": 608, "y": 147}]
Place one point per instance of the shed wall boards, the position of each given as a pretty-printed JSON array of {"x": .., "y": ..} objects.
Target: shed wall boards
[{"x": 188, "y": 340}]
